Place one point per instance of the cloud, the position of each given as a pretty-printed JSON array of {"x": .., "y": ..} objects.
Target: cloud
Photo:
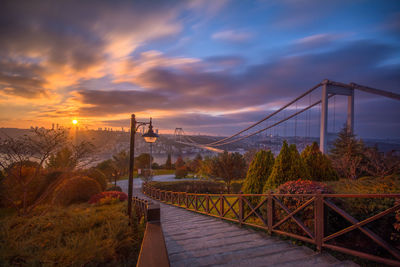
[
  {"x": 21, "y": 79},
  {"x": 233, "y": 36},
  {"x": 233, "y": 99},
  {"x": 73, "y": 40}
]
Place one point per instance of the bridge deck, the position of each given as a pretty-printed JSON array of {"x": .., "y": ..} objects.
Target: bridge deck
[{"x": 197, "y": 240}]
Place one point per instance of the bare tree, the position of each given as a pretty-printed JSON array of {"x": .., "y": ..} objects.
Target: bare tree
[
  {"x": 379, "y": 164},
  {"x": 22, "y": 160}
]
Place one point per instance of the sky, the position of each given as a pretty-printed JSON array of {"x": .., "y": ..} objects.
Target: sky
[{"x": 210, "y": 67}]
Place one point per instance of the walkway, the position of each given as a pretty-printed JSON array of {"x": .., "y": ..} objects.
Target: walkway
[{"x": 197, "y": 240}]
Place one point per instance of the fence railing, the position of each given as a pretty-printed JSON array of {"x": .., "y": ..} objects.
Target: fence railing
[
  {"x": 319, "y": 219},
  {"x": 153, "y": 252}
]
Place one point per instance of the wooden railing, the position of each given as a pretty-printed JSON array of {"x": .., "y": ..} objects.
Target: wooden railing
[
  {"x": 319, "y": 219},
  {"x": 153, "y": 252}
]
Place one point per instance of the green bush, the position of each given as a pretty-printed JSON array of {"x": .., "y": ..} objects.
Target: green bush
[
  {"x": 258, "y": 173},
  {"x": 363, "y": 208},
  {"x": 97, "y": 175},
  {"x": 319, "y": 165},
  {"x": 288, "y": 166},
  {"x": 76, "y": 190},
  {"x": 79, "y": 235}
]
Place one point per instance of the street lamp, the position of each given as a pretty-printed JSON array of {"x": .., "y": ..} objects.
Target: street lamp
[{"x": 150, "y": 137}]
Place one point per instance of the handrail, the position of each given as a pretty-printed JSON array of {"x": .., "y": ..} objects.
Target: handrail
[
  {"x": 153, "y": 251},
  {"x": 246, "y": 209}
]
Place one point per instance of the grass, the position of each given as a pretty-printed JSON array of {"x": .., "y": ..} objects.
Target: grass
[{"x": 79, "y": 235}]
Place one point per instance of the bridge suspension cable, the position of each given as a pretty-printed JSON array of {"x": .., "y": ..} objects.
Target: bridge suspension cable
[
  {"x": 267, "y": 117},
  {"x": 325, "y": 83},
  {"x": 273, "y": 125}
]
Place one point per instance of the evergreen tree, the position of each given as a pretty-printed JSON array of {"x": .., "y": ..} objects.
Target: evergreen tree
[
  {"x": 288, "y": 166},
  {"x": 179, "y": 163},
  {"x": 318, "y": 165},
  {"x": 258, "y": 173},
  {"x": 168, "y": 163},
  {"x": 347, "y": 154}
]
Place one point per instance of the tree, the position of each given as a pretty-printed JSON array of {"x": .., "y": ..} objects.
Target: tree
[
  {"x": 107, "y": 167},
  {"x": 229, "y": 167},
  {"x": 288, "y": 166},
  {"x": 347, "y": 154},
  {"x": 168, "y": 163},
  {"x": 318, "y": 165},
  {"x": 194, "y": 165},
  {"x": 380, "y": 164},
  {"x": 205, "y": 168},
  {"x": 70, "y": 157},
  {"x": 121, "y": 165},
  {"x": 179, "y": 163},
  {"x": 142, "y": 161},
  {"x": 258, "y": 173},
  {"x": 249, "y": 156},
  {"x": 22, "y": 160}
]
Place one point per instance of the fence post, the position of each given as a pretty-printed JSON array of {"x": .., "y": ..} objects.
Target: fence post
[
  {"x": 207, "y": 204},
  {"x": 319, "y": 220},
  {"x": 241, "y": 209},
  {"x": 221, "y": 205},
  {"x": 153, "y": 212},
  {"x": 270, "y": 212},
  {"x": 186, "y": 200}
]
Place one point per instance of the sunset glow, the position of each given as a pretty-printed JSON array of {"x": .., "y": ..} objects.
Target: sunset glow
[{"x": 207, "y": 66}]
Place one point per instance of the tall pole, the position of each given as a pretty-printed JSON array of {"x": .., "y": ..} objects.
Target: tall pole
[
  {"x": 131, "y": 165},
  {"x": 324, "y": 118},
  {"x": 350, "y": 112},
  {"x": 151, "y": 159}
]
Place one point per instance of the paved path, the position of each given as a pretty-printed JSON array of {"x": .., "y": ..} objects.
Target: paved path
[{"x": 197, "y": 240}]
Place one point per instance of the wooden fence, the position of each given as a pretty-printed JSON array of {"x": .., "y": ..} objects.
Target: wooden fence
[
  {"x": 319, "y": 219},
  {"x": 153, "y": 252}
]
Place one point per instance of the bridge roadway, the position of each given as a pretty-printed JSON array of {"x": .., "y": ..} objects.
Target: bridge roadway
[{"x": 198, "y": 240}]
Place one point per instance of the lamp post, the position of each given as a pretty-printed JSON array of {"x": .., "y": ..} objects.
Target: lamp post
[{"x": 150, "y": 137}]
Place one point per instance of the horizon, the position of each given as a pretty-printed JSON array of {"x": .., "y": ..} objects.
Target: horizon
[{"x": 208, "y": 67}]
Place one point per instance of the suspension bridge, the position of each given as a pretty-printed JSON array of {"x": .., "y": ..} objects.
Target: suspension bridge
[{"x": 302, "y": 104}]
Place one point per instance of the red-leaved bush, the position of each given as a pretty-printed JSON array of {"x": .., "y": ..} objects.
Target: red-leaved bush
[
  {"x": 306, "y": 215},
  {"x": 303, "y": 187},
  {"x": 108, "y": 195}
]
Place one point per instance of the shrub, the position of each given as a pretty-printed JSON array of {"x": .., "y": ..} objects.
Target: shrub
[
  {"x": 121, "y": 196},
  {"x": 181, "y": 172},
  {"x": 303, "y": 187},
  {"x": 97, "y": 175},
  {"x": 319, "y": 165},
  {"x": 306, "y": 215},
  {"x": 288, "y": 166},
  {"x": 258, "y": 173},
  {"x": 79, "y": 235},
  {"x": 76, "y": 190},
  {"x": 396, "y": 234},
  {"x": 114, "y": 188}
]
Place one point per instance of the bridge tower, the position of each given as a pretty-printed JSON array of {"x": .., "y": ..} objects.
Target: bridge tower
[
  {"x": 178, "y": 134},
  {"x": 334, "y": 88}
]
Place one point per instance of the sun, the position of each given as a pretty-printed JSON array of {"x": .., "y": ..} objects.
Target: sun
[{"x": 74, "y": 122}]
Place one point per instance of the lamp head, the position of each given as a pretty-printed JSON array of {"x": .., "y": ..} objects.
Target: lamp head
[{"x": 150, "y": 136}]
